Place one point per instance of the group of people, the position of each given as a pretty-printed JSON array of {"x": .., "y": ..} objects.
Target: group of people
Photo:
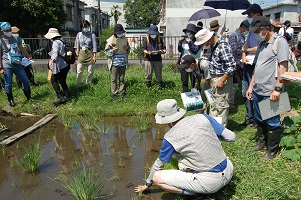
[{"x": 195, "y": 140}]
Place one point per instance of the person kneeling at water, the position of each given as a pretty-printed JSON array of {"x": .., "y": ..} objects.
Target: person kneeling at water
[{"x": 203, "y": 165}]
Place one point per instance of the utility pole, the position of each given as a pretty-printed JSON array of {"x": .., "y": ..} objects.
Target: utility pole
[{"x": 99, "y": 19}]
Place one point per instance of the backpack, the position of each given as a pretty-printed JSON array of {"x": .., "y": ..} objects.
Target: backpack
[
  {"x": 292, "y": 61},
  {"x": 70, "y": 55}
]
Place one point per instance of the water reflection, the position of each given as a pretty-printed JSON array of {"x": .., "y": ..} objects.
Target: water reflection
[{"x": 118, "y": 152}]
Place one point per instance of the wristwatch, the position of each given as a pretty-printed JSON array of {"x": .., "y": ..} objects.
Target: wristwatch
[
  {"x": 278, "y": 89},
  {"x": 148, "y": 184}
]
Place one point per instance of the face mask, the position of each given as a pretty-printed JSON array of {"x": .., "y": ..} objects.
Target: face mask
[
  {"x": 16, "y": 34},
  {"x": 250, "y": 19},
  {"x": 153, "y": 36},
  {"x": 259, "y": 37},
  {"x": 206, "y": 47},
  {"x": 85, "y": 30},
  {"x": 8, "y": 34},
  {"x": 245, "y": 33},
  {"x": 189, "y": 35},
  {"x": 120, "y": 35}
]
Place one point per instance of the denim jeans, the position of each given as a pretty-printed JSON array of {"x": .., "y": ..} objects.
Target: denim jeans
[
  {"x": 21, "y": 75},
  {"x": 272, "y": 123},
  {"x": 248, "y": 71}
]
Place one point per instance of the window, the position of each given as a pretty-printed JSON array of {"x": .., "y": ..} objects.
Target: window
[
  {"x": 70, "y": 13},
  {"x": 277, "y": 16}
]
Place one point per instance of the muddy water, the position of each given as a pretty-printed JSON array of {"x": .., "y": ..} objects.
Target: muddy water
[{"x": 122, "y": 157}]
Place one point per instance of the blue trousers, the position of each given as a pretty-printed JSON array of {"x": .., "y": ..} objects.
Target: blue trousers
[
  {"x": 248, "y": 71},
  {"x": 21, "y": 75}
]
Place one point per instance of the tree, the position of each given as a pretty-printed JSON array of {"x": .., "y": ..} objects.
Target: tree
[
  {"x": 141, "y": 13},
  {"x": 115, "y": 13},
  {"x": 33, "y": 17}
]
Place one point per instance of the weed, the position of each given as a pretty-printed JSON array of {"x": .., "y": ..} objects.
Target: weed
[
  {"x": 83, "y": 183},
  {"x": 30, "y": 161},
  {"x": 67, "y": 120}
]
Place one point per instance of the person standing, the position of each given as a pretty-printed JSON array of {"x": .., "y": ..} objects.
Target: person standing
[
  {"x": 236, "y": 41},
  {"x": 58, "y": 66},
  {"x": 186, "y": 46},
  {"x": 117, "y": 50},
  {"x": 203, "y": 165},
  {"x": 248, "y": 54},
  {"x": 10, "y": 56},
  {"x": 28, "y": 69},
  {"x": 153, "y": 48},
  {"x": 85, "y": 48},
  {"x": 221, "y": 67},
  {"x": 266, "y": 82},
  {"x": 287, "y": 31}
]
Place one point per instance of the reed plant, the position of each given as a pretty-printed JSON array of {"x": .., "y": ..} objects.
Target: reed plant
[
  {"x": 82, "y": 183},
  {"x": 30, "y": 161}
]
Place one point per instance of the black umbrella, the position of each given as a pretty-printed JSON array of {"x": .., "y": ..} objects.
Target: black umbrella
[
  {"x": 204, "y": 14},
  {"x": 228, "y": 4}
]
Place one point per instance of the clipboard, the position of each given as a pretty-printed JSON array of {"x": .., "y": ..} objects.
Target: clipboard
[
  {"x": 120, "y": 43},
  {"x": 270, "y": 108}
]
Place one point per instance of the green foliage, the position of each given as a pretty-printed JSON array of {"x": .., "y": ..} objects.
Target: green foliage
[
  {"x": 83, "y": 183},
  {"x": 30, "y": 161},
  {"x": 141, "y": 124},
  {"x": 292, "y": 142},
  {"x": 105, "y": 34},
  {"x": 172, "y": 165},
  {"x": 33, "y": 17},
  {"x": 115, "y": 13},
  {"x": 141, "y": 13}
]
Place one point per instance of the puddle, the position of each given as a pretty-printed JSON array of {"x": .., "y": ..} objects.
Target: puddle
[{"x": 122, "y": 157}]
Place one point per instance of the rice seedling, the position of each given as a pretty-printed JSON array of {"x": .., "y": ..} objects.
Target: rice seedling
[
  {"x": 121, "y": 162},
  {"x": 130, "y": 152},
  {"x": 103, "y": 129},
  {"x": 30, "y": 161},
  {"x": 87, "y": 124},
  {"x": 115, "y": 175},
  {"x": 67, "y": 120},
  {"x": 82, "y": 183},
  {"x": 142, "y": 124}
]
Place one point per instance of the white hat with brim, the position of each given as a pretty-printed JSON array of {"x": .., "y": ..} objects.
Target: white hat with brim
[
  {"x": 168, "y": 111},
  {"x": 203, "y": 36},
  {"x": 52, "y": 32}
]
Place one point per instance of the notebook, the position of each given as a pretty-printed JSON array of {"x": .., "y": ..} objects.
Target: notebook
[{"x": 270, "y": 108}]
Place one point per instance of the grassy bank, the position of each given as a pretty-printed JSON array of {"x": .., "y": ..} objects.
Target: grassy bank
[{"x": 253, "y": 178}]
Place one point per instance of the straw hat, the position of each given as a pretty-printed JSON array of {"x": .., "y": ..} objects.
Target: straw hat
[
  {"x": 168, "y": 111},
  {"x": 214, "y": 25},
  {"x": 15, "y": 29},
  {"x": 52, "y": 32}
]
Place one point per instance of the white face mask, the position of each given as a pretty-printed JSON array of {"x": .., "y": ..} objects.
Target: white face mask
[
  {"x": 206, "y": 47},
  {"x": 120, "y": 35},
  {"x": 153, "y": 36},
  {"x": 86, "y": 30},
  {"x": 8, "y": 34},
  {"x": 245, "y": 33},
  {"x": 259, "y": 37},
  {"x": 250, "y": 19}
]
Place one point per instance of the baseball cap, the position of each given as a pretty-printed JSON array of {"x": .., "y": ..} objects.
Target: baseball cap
[
  {"x": 253, "y": 8},
  {"x": 258, "y": 22},
  {"x": 186, "y": 61}
]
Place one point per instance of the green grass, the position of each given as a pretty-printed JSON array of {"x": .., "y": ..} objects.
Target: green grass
[
  {"x": 30, "y": 161},
  {"x": 82, "y": 183},
  {"x": 253, "y": 179}
]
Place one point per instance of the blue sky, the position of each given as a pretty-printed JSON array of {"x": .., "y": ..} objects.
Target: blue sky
[{"x": 267, "y": 3}]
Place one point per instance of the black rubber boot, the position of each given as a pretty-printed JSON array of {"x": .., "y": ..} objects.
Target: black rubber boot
[
  {"x": 161, "y": 84},
  {"x": 28, "y": 95},
  {"x": 60, "y": 99},
  {"x": 11, "y": 99},
  {"x": 262, "y": 137},
  {"x": 66, "y": 95},
  {"x": 273, "y": 143},
  {"x": 148, "y": 84}
]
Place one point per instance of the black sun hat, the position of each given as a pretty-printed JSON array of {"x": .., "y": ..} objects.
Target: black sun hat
[
  {"x": 186, "y": 61},
  {"x": 119, "y": 29}
]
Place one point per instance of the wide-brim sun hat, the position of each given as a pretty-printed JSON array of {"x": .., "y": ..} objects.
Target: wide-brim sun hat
[
  {"x": 118, "y": 29},
  {"x": 259, "y": 21},
  {"x": 153, "y": 30},
  {"x": 5, "y": 26},
  {"x": 191, "y": 28},
  {"x": 15, "y": 29},
  {"x": 168, "y": 111},
  {"x": 52, "y": 33},
  {"x": 203, "y": 36},
  {"x": 214, "y": 25}
]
